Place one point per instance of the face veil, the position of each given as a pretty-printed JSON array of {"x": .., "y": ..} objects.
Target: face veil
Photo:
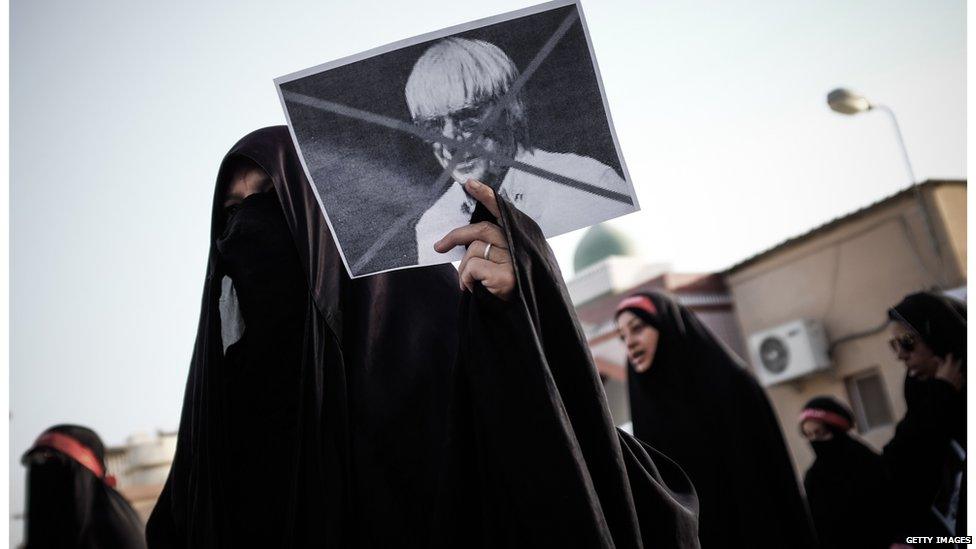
[{"x": 68, "y": 503}]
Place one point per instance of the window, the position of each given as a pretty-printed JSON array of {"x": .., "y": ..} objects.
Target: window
[{"x": 867, "y": 394}]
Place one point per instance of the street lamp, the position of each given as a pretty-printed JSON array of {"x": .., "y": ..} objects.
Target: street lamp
[
  {"x": 845, "y": 101},
  {"x": 848, "y": 102}
]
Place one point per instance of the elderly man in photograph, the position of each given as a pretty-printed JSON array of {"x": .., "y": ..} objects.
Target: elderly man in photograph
[{"x": 454, "y": 88}]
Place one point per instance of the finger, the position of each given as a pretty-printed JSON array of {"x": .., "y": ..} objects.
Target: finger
[
  {"x": 469, "y": 254},
  {"x": 495, "y": 277},
  {"x": 477, "y": 249},
  {"x": 476, "y": 270},
  {"x": 484, "y": 231},
  {"x": 471, "y": 273},
  {"x": 484, "y": 194},
  {"x": 496, "y": 254}
]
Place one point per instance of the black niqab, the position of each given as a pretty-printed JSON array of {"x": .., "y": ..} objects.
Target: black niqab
[
  {"x": 321, "y": 425},
  {"x": 847, "y": 489},
  {"x": 69, "y": 507},
  {"x": 264, "y": 366},
  {"x": 698, "y": 405}
]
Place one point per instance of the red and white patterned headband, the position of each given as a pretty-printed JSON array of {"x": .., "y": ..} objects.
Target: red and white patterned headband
[
  {"x": 640, "y": 302},
  {"x": 829, "y": 418},
  {"x": 70, "y": 447}
]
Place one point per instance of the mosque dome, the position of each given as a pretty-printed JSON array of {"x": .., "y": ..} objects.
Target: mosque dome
[{"x": 600, "y": 242}]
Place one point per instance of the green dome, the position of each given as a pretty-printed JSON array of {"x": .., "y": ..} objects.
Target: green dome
[{"x": 600, "y": 242}]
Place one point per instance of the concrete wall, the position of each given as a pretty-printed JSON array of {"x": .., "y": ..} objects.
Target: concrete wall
[
  {"x": 847, "y": 277},
  {"x": 948, "y": 203}
]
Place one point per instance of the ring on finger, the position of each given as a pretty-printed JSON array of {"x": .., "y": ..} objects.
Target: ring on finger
[{"x": 487, "y": 251}]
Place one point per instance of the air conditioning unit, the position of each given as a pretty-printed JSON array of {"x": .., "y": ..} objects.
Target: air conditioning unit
[{"x": 789, "y": 351}]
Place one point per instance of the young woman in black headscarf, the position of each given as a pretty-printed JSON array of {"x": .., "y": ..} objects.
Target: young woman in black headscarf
[
  {"x": 846, "y": 486},
  {"x": 691, "y": 398},
  {"x": 926, "y": 458},
  {"x": 71, "y": 501},
  {"x": 395, "y": 410}
]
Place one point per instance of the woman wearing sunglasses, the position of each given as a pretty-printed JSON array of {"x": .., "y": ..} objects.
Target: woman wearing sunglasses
[{"x": 926, "y": 457}]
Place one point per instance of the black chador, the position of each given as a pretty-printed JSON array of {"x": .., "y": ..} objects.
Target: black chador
[
  {"x": 698, "y": 405},
  {"x": 926, "y": 457},
  {"x": 71, "y": 501},
  {"x": 393, "y": 411},
  {"x": 847, "y": 488}
]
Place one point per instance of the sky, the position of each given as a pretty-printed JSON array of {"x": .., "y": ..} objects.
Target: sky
[{"x": 120, "y": 113}]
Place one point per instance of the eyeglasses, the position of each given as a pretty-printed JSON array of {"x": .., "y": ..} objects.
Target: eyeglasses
[
  {"x": 464, "y": 121},
  {"x": 904, "y": 342}
]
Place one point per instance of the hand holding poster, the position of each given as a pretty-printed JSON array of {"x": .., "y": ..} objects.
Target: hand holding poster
[{"x": 388, "y": 137}]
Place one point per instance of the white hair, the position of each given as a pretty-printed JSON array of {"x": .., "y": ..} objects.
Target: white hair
[{"x": 456, "y": 73}]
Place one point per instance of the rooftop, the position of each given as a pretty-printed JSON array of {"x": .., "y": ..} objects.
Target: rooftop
[{"x": 833, "y": 223}]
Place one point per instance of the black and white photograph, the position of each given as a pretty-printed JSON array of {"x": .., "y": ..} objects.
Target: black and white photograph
[{"x": 389, "y": 137}]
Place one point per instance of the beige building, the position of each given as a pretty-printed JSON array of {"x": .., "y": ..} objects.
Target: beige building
[
  {"x": 140, "y": 468},
  {"x": 844, "y": 276}
]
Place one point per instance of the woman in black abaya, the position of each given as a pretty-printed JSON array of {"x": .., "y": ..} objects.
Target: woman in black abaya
[
  {"x": 395, "y": 410},
  {"x": 692, "y": 399},
  {"x": 926, "y": 457},
  {"x": 71, "y": 502},
  {"x": 846, "y": 486},
  {"x": 312, "y": 415}
]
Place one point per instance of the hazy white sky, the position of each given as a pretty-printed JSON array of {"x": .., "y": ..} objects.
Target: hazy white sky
[{"x": 120, "y": 113}]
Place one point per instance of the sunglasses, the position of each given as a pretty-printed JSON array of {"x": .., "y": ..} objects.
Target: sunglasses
[
  {"x": 904, "y": 342},
  {"x": 465, "y": 120}
]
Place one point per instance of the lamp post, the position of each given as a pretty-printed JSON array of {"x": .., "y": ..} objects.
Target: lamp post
[
  {"x": 845, "y": 101},
  {"x": 848, "y": 102}
]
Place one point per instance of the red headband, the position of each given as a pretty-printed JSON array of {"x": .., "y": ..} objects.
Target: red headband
[
  {"x": 70, "y": 447},
  {"x": 829, "y": 418},
  {"x": 641, "y": 302}
]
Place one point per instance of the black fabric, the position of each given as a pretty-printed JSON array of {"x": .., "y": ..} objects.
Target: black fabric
[
  {"x": 69, "y": 507},
  {"x": 926, "y": 457},
  {"x": 697, "y": 404},
  {"x": 849, "y": 497},
  {"x": 385, "y": 442},
  {"x": 535, "y": 460},
  {"x": 263, "y": 368},
  {"x": 322, "y": 425}
]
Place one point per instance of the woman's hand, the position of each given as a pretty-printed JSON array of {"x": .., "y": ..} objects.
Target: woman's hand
[{"x": 487, "y": 260}]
